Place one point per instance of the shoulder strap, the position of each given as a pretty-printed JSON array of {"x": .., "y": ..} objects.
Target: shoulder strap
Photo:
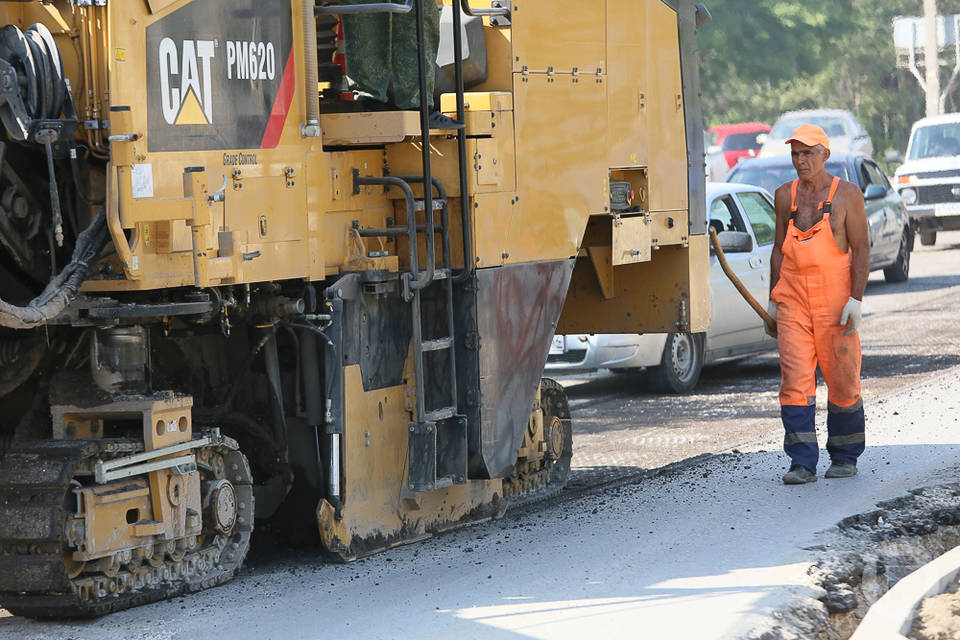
[
  {"x": 827, "y": 205},
  {"x": 793, "y": 197},
  {"x": 833, "y": 188}
]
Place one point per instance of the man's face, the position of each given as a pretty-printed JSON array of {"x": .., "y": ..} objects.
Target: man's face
[{"x": 807, "y": 160}]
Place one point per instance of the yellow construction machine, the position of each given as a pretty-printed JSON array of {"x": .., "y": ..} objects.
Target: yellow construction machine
[{"x": 230, "y": 291}]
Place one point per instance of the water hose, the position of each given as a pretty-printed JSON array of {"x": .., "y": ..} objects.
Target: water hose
[{"x": 769, "y": 321}]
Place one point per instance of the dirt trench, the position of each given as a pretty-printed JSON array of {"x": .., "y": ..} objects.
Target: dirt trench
[{"x": 865, "y": 555}]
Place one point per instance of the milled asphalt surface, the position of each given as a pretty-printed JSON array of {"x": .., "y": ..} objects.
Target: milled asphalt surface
[{"x": 706, "y": 550}]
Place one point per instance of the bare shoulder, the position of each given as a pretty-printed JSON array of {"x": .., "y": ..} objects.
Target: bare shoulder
[
  {"x": 782, "y": 194},
  {"x": 848, "y": 192},
  {"x": 782, "y": 189}
]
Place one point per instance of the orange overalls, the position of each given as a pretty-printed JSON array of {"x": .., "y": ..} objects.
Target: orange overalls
[{"x": 813, "y": 288}]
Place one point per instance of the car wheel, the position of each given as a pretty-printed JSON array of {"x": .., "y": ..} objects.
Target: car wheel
[
  {"x": 680, "y": 365},
  {"x": 928, "y": 238},
  {"x": 899, "y": 271}
]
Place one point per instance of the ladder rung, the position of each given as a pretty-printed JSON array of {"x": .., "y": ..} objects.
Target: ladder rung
[
  {"x": 438, "y": 204},
  {"x": 437, "y": 345},
  {"x": 440, "y": 414}
]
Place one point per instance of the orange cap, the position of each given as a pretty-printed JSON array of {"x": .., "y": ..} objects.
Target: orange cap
[{"x": 810, "y": 135}]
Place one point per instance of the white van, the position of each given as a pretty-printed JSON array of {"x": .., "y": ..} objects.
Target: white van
[{"x": 929, "y": 178}]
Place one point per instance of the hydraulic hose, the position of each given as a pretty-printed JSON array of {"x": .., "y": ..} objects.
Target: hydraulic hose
[
  {"x": 81, "y": 192},
  {"x": 62, "y": 289}
]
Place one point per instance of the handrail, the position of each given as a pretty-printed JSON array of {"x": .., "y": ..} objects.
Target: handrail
[
  {"x": 370, "y": 7},
  {"x": 311, "y": 128},
  {"x": 418, "y": 282},
  {"x": 425, "y": 149},
  {"x": 114, "y": 224},
  {"x": 493, "y": 11},
  {"x": 466, "y": 232},
  {"x": 429, "y": 226}
]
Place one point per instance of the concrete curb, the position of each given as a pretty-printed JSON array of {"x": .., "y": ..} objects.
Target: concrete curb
[{"x": 891, "y": 617}]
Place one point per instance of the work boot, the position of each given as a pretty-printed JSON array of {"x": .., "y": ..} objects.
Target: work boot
[
  {"x": 799, "y": 475},
  {"x": 837, "y": 470},
  {"x": 440, "y": 121}
]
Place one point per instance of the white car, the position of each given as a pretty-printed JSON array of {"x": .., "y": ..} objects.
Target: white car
[
  {"x": 846, "y": 133},
  {"x": 744, "y": 217},
  {"x": 929, "y": 178}
]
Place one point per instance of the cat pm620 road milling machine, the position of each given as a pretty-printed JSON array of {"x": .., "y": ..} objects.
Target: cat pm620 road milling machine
[{"x": 227, "y": 296}]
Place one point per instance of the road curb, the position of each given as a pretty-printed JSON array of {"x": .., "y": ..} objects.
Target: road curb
[{"x": 891, "y": 617}]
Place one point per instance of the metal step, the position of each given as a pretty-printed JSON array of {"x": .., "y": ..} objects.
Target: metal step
[
  {"x": 439, "y": 414},
  {"x": 438, "y": 344},
  {"x": 438, "y": 204}
]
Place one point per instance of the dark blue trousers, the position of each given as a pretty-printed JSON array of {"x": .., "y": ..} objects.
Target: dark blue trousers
[{"x": 845, "y": 440}]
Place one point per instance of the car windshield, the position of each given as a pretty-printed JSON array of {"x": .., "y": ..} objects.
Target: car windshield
[
  {"x": 833, "y": 126},
  {"x": 740, "y": 141},
  {"x": 936, "y": 140},
  {"x": 772, "y": 176}
]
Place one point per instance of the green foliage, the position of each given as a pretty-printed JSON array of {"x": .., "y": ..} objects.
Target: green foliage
[{"x": 763, "y": 57}]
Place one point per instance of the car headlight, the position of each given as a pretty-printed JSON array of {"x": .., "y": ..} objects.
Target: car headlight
[{"x": 909, "y": 196}]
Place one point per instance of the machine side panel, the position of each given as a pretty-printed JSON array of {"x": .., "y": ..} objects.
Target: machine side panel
[
  {"x": 629, "y": 98},
  {"x": 561, "y": 164},
  {"x": 517, "y": 310},
  {"x": 667, "y": 152},
  {"x": 576, "y": 36}
]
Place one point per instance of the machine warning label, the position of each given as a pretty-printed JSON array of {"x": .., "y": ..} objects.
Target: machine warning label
[{"x": 220, "y": 76}]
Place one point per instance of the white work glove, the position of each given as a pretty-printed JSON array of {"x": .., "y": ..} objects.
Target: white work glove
[
  {"x": 851, "y": 314},
  {"x": 772, "y": 311}
]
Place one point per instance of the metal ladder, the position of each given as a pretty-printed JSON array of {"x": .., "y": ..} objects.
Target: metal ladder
[{"x": 438, "y": 439}]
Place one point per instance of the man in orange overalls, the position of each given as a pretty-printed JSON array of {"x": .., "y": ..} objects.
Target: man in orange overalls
[{"x": 818, "y": 273}]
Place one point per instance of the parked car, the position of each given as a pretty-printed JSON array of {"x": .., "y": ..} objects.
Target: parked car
[
  {"x": 845, "y": 132},
  {"x": 891, "y": 237},
  {"x": 739, "y": 141},
  {"x": 744, "y": 217},
  {"x": 929, "y": 178},
  {"x": 715, "y": 165}
]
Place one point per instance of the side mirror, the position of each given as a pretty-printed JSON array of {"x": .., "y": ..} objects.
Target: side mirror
[
  {"x": 894, "y": 156},
  {"x": 762, "y": 138},
  {"x": 735, "y": 241},
  {"x": 874, "y": 192}
]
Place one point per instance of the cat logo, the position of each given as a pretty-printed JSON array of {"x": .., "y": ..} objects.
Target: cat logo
[{"x": 189, "y": 101}]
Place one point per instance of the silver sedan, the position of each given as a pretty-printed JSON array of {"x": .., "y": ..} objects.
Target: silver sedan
[{"x": 744, "y": 217}]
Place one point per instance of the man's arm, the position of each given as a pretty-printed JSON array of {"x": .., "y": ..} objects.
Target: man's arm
[
  {"x": 781, "y": 202},
  {"x": 858, "y": 238}
]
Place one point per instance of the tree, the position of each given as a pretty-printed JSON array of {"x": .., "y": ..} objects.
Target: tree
[{"x": 763, "y": 57}]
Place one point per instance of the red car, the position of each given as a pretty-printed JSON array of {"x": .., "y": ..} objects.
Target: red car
[{"x": 739, "y": 140}]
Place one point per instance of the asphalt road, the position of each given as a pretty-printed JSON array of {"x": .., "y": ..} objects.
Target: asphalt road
[
  {"x": 708, "y": 549},
  {"x": 910, "y": 331}
]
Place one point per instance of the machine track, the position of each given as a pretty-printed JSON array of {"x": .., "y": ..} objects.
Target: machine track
[
  {"x": 545, "y": 478},
  {"x": 39, "y": 578}
]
